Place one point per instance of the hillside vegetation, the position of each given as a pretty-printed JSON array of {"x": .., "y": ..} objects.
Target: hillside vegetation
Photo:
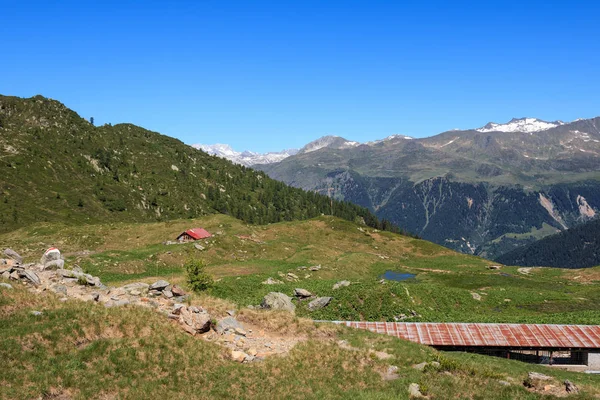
[
  {"x": 578, "y": 247},
  {"x": 241, "y": 256},
  {"x": 55, "y": 166}
]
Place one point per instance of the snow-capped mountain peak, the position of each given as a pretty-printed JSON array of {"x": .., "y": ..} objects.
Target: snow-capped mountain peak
[
  {"x": 526, "y": 125},
  {"x": 328, "y": 141},
  {"x": 247, "y": 158}
]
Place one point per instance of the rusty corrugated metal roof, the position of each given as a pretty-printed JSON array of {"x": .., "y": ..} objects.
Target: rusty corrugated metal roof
[{"x": 488, "y": 335}]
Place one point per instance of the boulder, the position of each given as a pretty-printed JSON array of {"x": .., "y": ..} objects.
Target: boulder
[
  {"x": 13, "y": 255},
  {"x": 570, "y": 387},
  {"x": 50, "y": 255},
  {"x": 414, "y": 391},
  {"x": 536, "y": 380},
  {"x": 229, "y": 324},
  {"x": 5, "y": 275},
  {"x": 341, "y": 284},
  {"x": 159, "y": 285},
  {"x": 194, "y": 323},
  {"x": 30, "y": 276},
  {"x": 177, "y": 308},
  {"x": 278, "y": 301},
  {"x": 177, "y": 291},
  {"x": 5, "y": 285},
  {"x": 54, "y": 264},
  {"x": 319, "y": 303},
  {"x": 238, "y": 356},
  {"x": 476, "y": 296},
  {"x": 302, "y": 293}
]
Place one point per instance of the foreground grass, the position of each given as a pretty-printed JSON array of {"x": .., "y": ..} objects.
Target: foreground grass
[
  {"x": 82, "y": 351},
  {"x": 241, "y": 257}
]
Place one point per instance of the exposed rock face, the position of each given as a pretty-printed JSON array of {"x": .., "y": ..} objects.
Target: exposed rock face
[
  {"x": 319, "y": 303},
  {"x": 30, "y": 276},
  {"x": 278, "y": 301},
  {"x": 230, "y": 324}
]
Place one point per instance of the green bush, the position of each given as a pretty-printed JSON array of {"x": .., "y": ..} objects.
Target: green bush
[{"x": 197, "y": 277}]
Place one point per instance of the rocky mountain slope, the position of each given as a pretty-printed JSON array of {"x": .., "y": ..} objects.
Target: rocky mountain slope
[
  {"x": 578, "y": 247},
  {"x": 482, "y": 191},
  {"x": 56, "y": 166}
]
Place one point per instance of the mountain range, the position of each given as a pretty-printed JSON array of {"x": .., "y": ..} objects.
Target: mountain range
[{"x": 483, "y": 191}]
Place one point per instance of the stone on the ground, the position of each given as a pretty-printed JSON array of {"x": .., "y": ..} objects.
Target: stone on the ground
[
  {"x": 315, "y": 268},
  {"x": 504, "y": 383},
  {"x": 231, "y": 313},
  {"x": 36, "y": 313},
  {"x": 302, "y": 293},
  {"x": 137, "y": 286},
  {"x": 193, "y": 322},
  {"x": 228, "y": 324},
  {"x": 341, "y": 284},
  {"x": 414, "y": 391},
  {"x": 271, "y": 281},
  {"x": 159, "y": 285},
  {"x": 278, "y": 301},
  {"x": 13, "y": 255},
  {"x": 95, "y": 296},
  {"x": 167, "y": 293},
  {"x": 177, "y": 291},
  {"x": 14, "y": 275},
  {"x": 423, "y": 365},
  {"x": 50, "y": 255},
  {"x": 291, "y": 277},
  {"x": 67, "y": 273},
  {"x": 476, "y": 296},
  {"x": 570, "y": 387},
  {"x": 536, "y": 380},
  {"x": 238, "y": 356},
  {"x": 5, "y": 275},
  {"x": 252, "y": 352},
  {"x": 5, "y": 285},
  {"x": 199, "y": 247},
  {"x": 319, "y": 303},
  {"x": 494, "y": 267},
  {"x": 31, "y": 277},
  {"x": 177, "y": 308},
  {"x": 62, "y": 289},
  {"x": 54, "y": 264}
]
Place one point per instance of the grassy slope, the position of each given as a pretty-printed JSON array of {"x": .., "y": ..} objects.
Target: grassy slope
[
  {"x": 78, "y": 350},
  {"x": 442, "y": 290}
]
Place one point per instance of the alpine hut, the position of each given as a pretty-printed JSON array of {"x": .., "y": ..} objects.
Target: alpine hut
[{"x": 193, "y": 234}]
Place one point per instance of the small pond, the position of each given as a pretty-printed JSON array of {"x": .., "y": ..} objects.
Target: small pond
[{"x": 396, "y": 276}]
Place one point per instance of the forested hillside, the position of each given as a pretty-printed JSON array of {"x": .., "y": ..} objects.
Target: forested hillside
[
  {"x": 578, "y": 247},
  {"x": 56, "y": 166}
]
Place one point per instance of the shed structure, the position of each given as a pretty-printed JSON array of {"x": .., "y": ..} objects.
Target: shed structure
[
  {"x": 193, "y": 234},
  {"x": 536, "y": 343}
]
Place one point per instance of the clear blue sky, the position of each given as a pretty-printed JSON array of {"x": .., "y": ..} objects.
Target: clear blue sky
[{"x": 266, "y": 75}]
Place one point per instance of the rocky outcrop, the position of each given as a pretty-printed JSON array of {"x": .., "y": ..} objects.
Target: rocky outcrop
[{"x": 13, "y": 255}]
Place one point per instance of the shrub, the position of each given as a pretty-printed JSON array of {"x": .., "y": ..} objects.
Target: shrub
[{"x": 197, "y": 277}]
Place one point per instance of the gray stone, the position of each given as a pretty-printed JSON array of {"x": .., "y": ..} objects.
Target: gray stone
[
  {"x": 59, "y": 289},
  {"x": 476, "y": 296},
  {"x": 194, "y": 309},
  {"x": 319, "y": 303},
  {"x": 5, "y": 285},
  {"x": 135, "y": 292},
  {"x": 494, "y": 267},
  {"x": 414, "y": 391},
  {"x": 315, "y": 268},
  {"x": 95, "y": 296},
  {"x": 504, "y": 383},
  {"x": 54, "y": 264},
  {"x": 177, "y": 308},
  {"x": 31, "y": 277},
  {"x": 36, "y": 313},
  {"x": 341, "y": 284},
  {"x": 228, "y": 323},
  {"x": 139, "y": 286},
  {"x": 570, "y": 387},
  {"x": 5, "y": 275},
  {"x": 199, "y": 247},
  {"x": 537, "y": 380},
  {"x": 302, "y": 293},
  {"x": 159, "y": 285},
  {"x": 167, "y": 293},
  {"x": 271, "y": 281},
  {"x": 194, "y": 323},
  {"x": 10, "y": 253},
  {"x": 231, "y": 313},
  {"x": 50, "y": 256},
  {"x": 278, "y": 301},
  {"x": 14, "y": 275}
]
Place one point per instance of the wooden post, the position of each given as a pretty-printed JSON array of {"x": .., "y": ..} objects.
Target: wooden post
[{"x": 551, "y": 354}]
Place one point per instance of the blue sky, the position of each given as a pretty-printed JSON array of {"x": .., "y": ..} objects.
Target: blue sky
[{"x": 267, "y": 75}]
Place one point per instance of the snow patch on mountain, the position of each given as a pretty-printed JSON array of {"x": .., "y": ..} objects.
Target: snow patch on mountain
[
  {"x": 247, "y": 158},
  {"x": 391, "y": 137},
  {"x": 525, "y": 125}
]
